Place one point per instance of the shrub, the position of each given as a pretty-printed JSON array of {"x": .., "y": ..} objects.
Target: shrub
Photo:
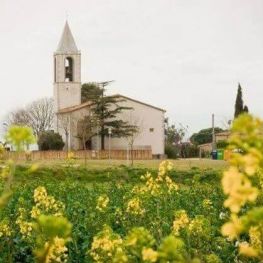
[
  {"x": 222, "y": 144},
  {"x": 171, "y": 151},
  {"x": 49, "y": 140}
]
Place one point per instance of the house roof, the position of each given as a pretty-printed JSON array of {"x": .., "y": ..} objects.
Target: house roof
[
  {"x": 67, "y": 43},
  {"x": 88, "y": 103},
  {"x": 223, "y": 133}
]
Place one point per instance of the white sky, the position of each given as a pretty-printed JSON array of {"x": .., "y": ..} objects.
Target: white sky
[{"x": 186, "y": 56}]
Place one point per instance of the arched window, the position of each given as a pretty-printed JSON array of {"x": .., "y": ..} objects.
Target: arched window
[{"x": 69, "y": 69}]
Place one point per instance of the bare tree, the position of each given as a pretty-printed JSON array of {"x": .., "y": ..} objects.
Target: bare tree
[
  {"x": 64, "y": 122},
  {"x": 38, "y": 115},
  {"x": 137, "y": 127},
  {"x": 85, "y": 129}
]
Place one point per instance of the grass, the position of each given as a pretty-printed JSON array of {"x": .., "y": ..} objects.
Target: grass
[{"x": 180, "y": 164}]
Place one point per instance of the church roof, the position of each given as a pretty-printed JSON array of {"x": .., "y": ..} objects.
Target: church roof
[
  {"x": 140, "y": 102},
  {"x": 67, "y": 43},
  {"x": 88, "y": 104}
]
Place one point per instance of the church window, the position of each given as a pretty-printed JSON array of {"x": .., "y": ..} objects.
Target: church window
[{"x": 68, "y": 69}]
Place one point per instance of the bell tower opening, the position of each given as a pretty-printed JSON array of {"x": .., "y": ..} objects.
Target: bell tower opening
[{"x": 69, "y": 69}]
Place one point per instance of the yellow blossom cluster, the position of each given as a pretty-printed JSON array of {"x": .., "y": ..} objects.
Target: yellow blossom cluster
[
  {"x": 56, "y": 251},
  {"x": 46, "y": 204},
  {"x": 154, "y": 185},
  {"x": 207, "y": 203},
  {"x": 254, "y": 248},
  {"x": 233, "y": 227},
  {"x": 149, "y": 255},
  {"x": 102, "y": 203},
  {"x": 105, "y": 245},
  {"x": 70, "y": 155},
  {"x": 134, "y": 207},
  {"x": 245, "y": 162},
  {"x": 181, "y": 221},
  {"x": 5, "y": 230},
  {"x": 238, "y": 188},
  {"x": 196, "y": 226},
  {"x": 24, "y": 226}
]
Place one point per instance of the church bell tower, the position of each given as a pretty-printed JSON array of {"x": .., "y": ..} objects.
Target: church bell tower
[{"x": 67, "y": 72}]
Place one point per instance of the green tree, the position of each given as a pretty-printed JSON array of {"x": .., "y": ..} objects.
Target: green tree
[
  {"x": 49, "y": 140},
  {"x": 106, "y": 110},
  {"x": 90, "y": 91},
  {"x": 239, "y": 105},
  {"x": 204, "y": 136}
]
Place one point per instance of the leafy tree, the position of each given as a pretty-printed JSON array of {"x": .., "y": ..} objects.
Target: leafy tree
[
  {"x": 204, "y": 136},
  {"x": 239, "y": 105},
  {"x": 49, "y": 140},
  {"x": 90, "y": 91},
  {"x": 222, "y": 144},
  {"x": 174, "y": 137},
  {"x": 20, "y": 136},
  {"x": 106, "y": 110}
]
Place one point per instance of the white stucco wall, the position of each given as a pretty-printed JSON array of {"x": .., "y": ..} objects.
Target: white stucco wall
[{"x": 147, "y": 118}]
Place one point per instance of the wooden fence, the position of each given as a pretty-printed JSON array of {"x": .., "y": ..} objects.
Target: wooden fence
[{"x": 60, "y": 155}]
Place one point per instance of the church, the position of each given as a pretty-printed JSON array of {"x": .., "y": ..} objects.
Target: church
[{"x": 69, "y": 109}]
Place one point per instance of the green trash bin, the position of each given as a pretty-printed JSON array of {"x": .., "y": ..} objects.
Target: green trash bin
[{"x": 220, "y": 154}]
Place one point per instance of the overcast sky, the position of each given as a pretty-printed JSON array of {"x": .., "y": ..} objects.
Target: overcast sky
[{"x": 186, "y": 56}]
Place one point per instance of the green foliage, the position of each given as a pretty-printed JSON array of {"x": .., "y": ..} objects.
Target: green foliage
[
  {"x": 80, "y": 189},
  {"x": 222, "y": 144},
  {"x": 143, "y": 239},
  {"x": 20, "y": 136},
  {"x": 106, "y": 109},
  {"x": 90, "y": 92},
  {"x": 172, "y": 249},
  {"x": 52, "y": 226},
  {"x": 239, "y": 104},
  {"x": 171, "y": 151},
  {"x": 49, "y": 140},
  {"x": 204, "y": 136}
]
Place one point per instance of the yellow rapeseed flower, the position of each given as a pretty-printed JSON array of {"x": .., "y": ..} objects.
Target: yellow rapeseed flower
[{"x": 149, "y": 255}]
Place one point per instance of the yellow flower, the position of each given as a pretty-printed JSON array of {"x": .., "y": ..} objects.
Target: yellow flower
[
  {"x": 134, "y": 207},
  {"x": 232, "y": 228},
  {"x": 239, "y": 189},
  {"x": 102, "y": 203},
  {"x": 181, "y": 221},
  {"x": 207, "y": 203},
  {"x": 56, "y": 251},
  {"x": 149, "y": 255},
  {"x": 5, "y": 230},
  {"x": 247, "y": 250},
  {"x": 255, "y": 237}
]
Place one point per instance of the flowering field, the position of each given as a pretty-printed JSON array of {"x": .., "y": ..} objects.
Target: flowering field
[
  {"x": 122, "y": 214},
  {"x": 127, "y": 208}
]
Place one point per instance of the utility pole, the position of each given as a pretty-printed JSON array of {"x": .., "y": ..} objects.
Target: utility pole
[{"x": 213, "y": 133}]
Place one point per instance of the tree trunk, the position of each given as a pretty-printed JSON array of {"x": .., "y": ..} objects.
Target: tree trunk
[
  {"x": 102, "y": 138},
  {"x": 132, "y": 154},
  {"x": 67, "y": 146}
]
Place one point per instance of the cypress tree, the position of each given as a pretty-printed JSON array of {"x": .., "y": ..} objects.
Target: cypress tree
[
  {"x": 239, "y": 105},
  {"x": 246, "y": 109}
]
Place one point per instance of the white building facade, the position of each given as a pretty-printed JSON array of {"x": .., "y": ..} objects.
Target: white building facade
[{"x": 69, "y": 110}]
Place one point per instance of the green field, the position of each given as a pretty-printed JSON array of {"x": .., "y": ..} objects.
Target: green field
[
  {"x": 180, "y": 164},
  {"x": 79, "y": 189}
]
